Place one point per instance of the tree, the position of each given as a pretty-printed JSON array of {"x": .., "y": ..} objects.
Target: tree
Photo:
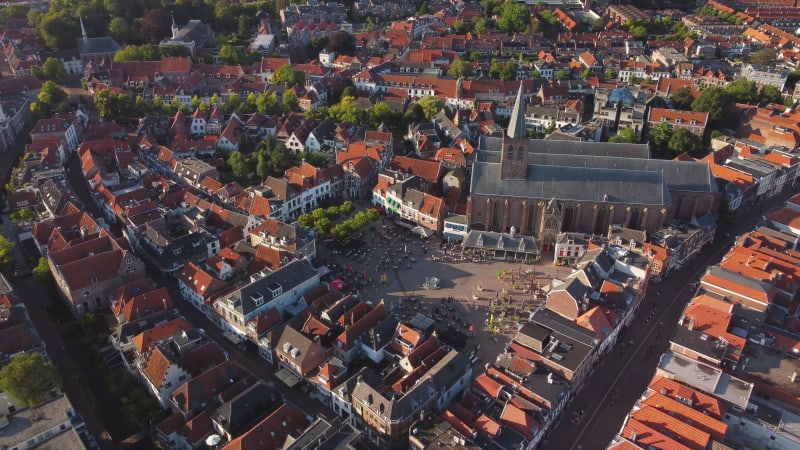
[
  {"x": 625, "y": 135},
  {"x": 290, "y": 101},
  {"x": 228, "y": 54},
  {"x": 599, "y": 24},
  {"x": 267, "y": 102},
  {"x": 639, "y": 33},
  {"x": 514, "y": 17},
  {"x": 611, "y": 75},
  {"x": 715, "y": 101},
  {"x": 232, "y": 103},
  {"x": 660, "y": 136},
  {"x": 509, "y": 71},
  {"x": 379, "y": 113},
  {"x": 52, "y": 69},
  {"x": 430, "y": 106},
  {"x": 22, "y": 215},
  {"x": 561, "y": 75},
  {"x": 347, "y": 110},
  {"x": 460, "y": 69},
  {"x": 479, "y": 25},
  {"x": 767, "y": 56},
  {"x": 146, "y": 52},
  {"x": 287, "y": 75},
  {"x": 682, "y": 98},
  {"x": 743, "y": 91},
  {"x": 155, "y": 25},
  {"x": 263, "y": 166},
  {"x": 42, "y": 272},
  {"x": 460, "y": 27},
  {"x": 586, "y": 73},
  {"x": 58, "y": 31},
  {"x": 342, "y": 42},
  {"x": 238, "y": 166},
  {"x": 770, "y": 94},
  {"x": 683, "y": 140},
  {"x": 120, "y": 29},
  {"x": 29, "y": 378},
  {"x": 50, "y": 94}
]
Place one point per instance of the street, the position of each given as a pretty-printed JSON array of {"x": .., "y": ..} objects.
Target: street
[{"x": 619, "y": 379}]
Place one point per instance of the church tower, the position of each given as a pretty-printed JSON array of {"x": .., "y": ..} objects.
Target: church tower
[{"x": 514, "y": 156}]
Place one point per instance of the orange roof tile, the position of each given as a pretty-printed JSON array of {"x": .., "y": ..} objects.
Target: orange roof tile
[
  {"x": 700, "y": 401},
  {"x": 156, "y": 368},
  {"x": 687, "y": 435},
  {"x": 714, "y": 427},
  {"x": 520, "y": 421},
  {"x": 648, "y": 437},
  {"x": 145, "y": 340}
]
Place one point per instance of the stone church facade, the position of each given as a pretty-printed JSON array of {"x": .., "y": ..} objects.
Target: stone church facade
[{"x": 545, "y": 187}]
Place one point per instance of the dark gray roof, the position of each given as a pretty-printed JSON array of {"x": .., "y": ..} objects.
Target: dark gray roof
[
  {"x": 96, "y": 45},
  {"x": 693, "y": 340},
  {"x": 574, "y": 287},
  {"x": 286, "y": 278},
  {"x": 443, "y": 374},
  {"x": 492, "y": 240},
  {"x": 574, "y": 183},
  {"x": 563, "y": 147},
  {"x": 687, "y": 176},
  {"x": 253, "y": 404},
  {"x": 382, "y": 332},
  {"x": 560, "y": 325}
]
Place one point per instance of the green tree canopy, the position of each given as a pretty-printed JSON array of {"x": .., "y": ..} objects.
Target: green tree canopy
[
  {"x": 50, "y": 94},
  {"x": 42, "y": 272},
  {"x": 238, "y": 167},
  {"x": 29, "y": 378},
  {"x": 290, "y": 101},
  {"x": 683, "y": 140},
  {"x": 229, "y": 54},
  {"x": 287, "y": 75},
  {"x": 267, "y": 103},
  {"x": 625, "y": 135},
  {"x": 52, "y": 69},
  {"x": 460, "y": 69},
  {"x": 660, "y": 136},
  {"x": 767, "y": 56},
  {"x": 682, "y": 98},
  {"x": 514, "y": 17},
  {"x": 715, "y": 101},
  {"x": 430, "y": 106},
  {"x": 6, "y": 252},
  {"x": 770, "y": 94}
]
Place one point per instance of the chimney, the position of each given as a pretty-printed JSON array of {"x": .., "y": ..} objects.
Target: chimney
[
  {"x": 633, "y": 436},
  {"x": 690, "y": 325}
]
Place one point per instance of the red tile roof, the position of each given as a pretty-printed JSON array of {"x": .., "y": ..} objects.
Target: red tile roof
[
  {"x": 145, "y": 340},
  {"x": 156, "y": 368},
  {"x": 271, "y": 432},
  {"x": 714, "y": 427},
  {"x": 665, "y": 423},
  {"x": 520, "y": 421},
  {"x": 700, "y": 401},
  {"x": 428, "y": 170}
]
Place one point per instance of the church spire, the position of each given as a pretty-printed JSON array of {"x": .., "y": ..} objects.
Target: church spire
[
  {"x": 516, "y": 126},
  {"x": 174, "y": 27},
  {"x": 83, "y": 29}
]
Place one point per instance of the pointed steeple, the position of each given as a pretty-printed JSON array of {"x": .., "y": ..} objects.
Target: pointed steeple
[
  {"x": 83, "y": 29},
  {"x": 516, "y": 126},
  {"x": 174, "y": 28}
]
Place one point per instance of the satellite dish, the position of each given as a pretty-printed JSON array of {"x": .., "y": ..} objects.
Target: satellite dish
[{"x": 213, "y": 440}]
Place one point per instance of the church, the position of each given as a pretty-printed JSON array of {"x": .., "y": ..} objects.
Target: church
[{"x": 544, "y": 187}]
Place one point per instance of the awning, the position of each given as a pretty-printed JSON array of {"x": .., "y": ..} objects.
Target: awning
[
  {"x": 288, "y": 378},
  {"x": 422, "y": 231}
]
